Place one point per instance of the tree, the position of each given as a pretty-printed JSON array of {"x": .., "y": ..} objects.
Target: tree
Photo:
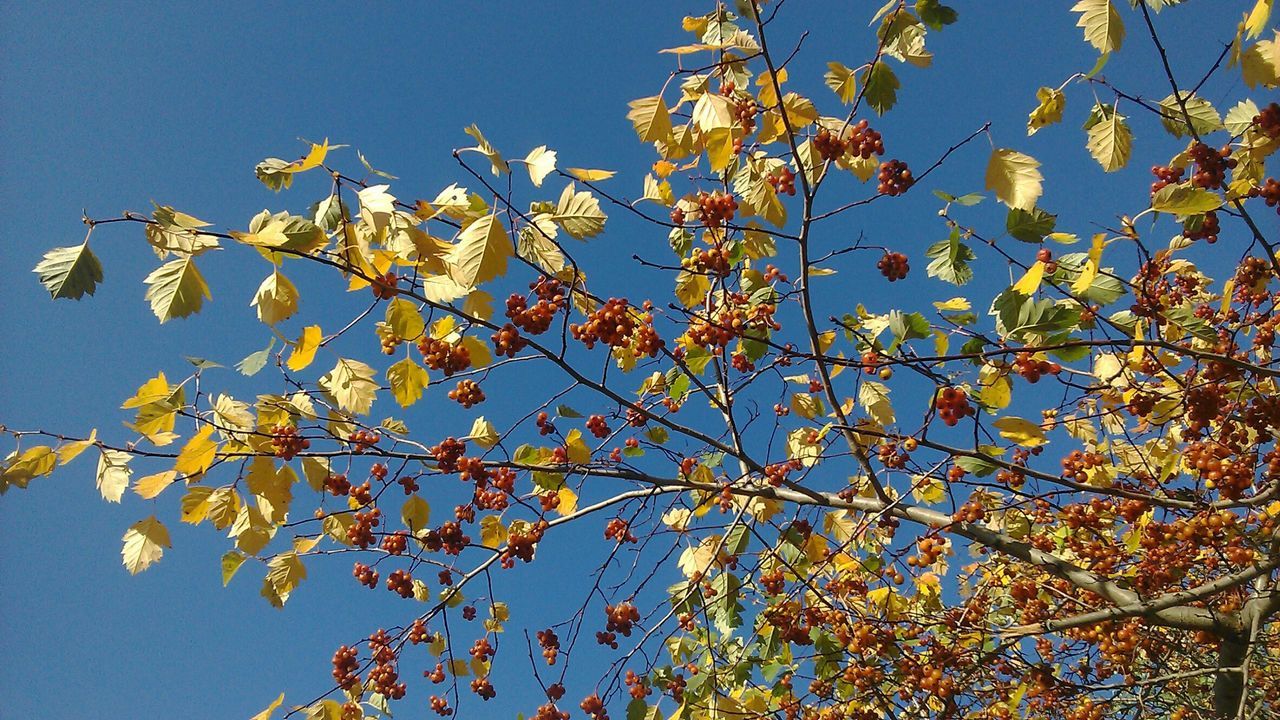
[{"x": 787, "y": 476}]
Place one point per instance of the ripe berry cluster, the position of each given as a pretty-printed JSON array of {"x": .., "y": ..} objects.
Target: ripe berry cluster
[
  {"x": 953, "y": 405},
  {"x": 400, "y": 582},
  {"x": 1269, "y": 191},
  {"x": 895, "y": 178},
  {"x": 617, "y": 324},
  {"x": 337, "y": 485},
  {"x": 521, "y": 542},
  {"x": 384, "y": 286},
  {"x": 550, "y": 645},
  {"x": 829, "y": 145},
  {"x": 1211, "y": 165},
  {"x": 715, "y": 209},
  {"x": 1077, "y": 465},
  {"x": 365, "y": 575},
  {"x": 619, "y": 530},
  {"x": 444, "y": 356},
  {"x": 286, "y": 442},
  {"x": 893, "y": 265},
  {"x": 537, "y": 319},
  {"x": 598, "y": 427},
  {"x": 360, "y": 533},
  {"x": 1165, "y": 175},
  {"x": 362, "y": 440},
  {"x": 970, "y": 512},
  {"x": 865, "y": 142},
  {"x": 1268, "y": 120},
  {"x": 621, "y": 618},
  {"x": 507, "y": 341},
  {"x": 1032, "y": 369},
  {"x": 467, "y": 393},
  {"x": 346, "y": 667},
  {"x": 1204, "y": 227},
  {"x": 1045, "y": 255},
  {"x": 783, "y": 181},
  {"x": 395, "y": 543},
  {"x": 746, "y": 110}
]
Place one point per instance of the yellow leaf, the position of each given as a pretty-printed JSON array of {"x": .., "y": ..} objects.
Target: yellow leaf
[
  {"x": 568, "y": 501},
  {"x": 957, "y": 304},
  {"x": 270, "y": 709},
  {"x": 578, "y": 451},
  {"x": 303, "y": 545},
  {"x": 157, "y": 389},
  {"x": 650, "y": 118},
  {"x": 928, "y": 490},
  {"x": 1090, "y": 270},
  {"x": 408, "y": 380},
  {"x": 144, "y": 544},
  {"x": 1102, "y": 25},
  {"x": 415, "y": 513},
  {"x": 479, "y": 351},
  {"x": 1260, "y": 64},
  {"x": 1014, "y": 178},
  {"x": 994, "y": 388},
  {"x": 314, "y": 158},
  {"x": 484, "y": 148},
  {"x": 887, "y": 603},
  {"x": 1256, "y": 22},
  {"x": 492, "y": 532},
  {"x": 71, "y": 450},
  {"x": 286, "y": 572},
  {"x": 1030, "y": 282},
  {"x": 304, "y": 351},
  {"x": 198, "y": 454},
  {"x": 481, "y": 252},
  {"x": 152, "y": 485},
  {"x": 713, "y": 112},
  {"x": 1049, "y": 111},
  {"x": 478, "y": 304},
  {"x": 540, "y": 162},
  {"x": 769, "y": 84},
  {"x": 1020, "y": 431},
  {"x": 404, "y": 319},
  {"x": 113, "y": 474},
  {"x": 483, "y": 433},
  {"x": 351, "y": 384},
  {"x": 842, "y": 82},
  {"x": 588, "y": 175}
]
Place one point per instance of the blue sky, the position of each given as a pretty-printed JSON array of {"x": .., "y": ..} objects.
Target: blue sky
[{"x": 108, "y": 108}]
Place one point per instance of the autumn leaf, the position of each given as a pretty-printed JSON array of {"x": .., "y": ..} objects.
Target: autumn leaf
[
  {"x": 176, "y": 289},
  {"x": 70, "y": 272},
  {"x": 1102, "y": 25},
  {"x": 1049, "y": 111},
  {"x": 351, "y": 384},
  {"x": 579, "y": 213},
  {"x": 499, "y": 166},
  {"x": 650, "y": 118},
  {"x": 276, "y": 299},
  {"x": 198, "y": 454},
  {"x": 304, "y": 350},
  {"x": 1014, "y": 178},
  {"x": 480, "y": 253},
  {"x": 144, "y": 544},
  {"x": 540, "y": 162},
  {"x": 1020, "y": 431},
  {"x": 415, "y": 513},
  {"x": 113, "y": 474},
  {"x": 408, "y": 380},
  {"x": 1110, "y": 141}
]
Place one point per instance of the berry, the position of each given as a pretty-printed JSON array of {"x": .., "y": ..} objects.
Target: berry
[
  {"x": 895, "y": 178},
  {"x": 893, "y": 265}
]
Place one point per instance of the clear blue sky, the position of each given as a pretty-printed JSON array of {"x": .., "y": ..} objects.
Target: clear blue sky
[{"x": 108, "y": 109}]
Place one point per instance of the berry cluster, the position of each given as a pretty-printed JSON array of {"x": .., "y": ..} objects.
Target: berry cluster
[
  {"x": 953, "y": 405},
  {"x": 363, "y": 440},
  {"x": 715, "y": 209},
  {"x": 507, "y": 341},
  {"x": 337, "y": 485},
  {"x": 395, "y": 543},
  {"x": 400, "y": 582},
  {"x": 1077, "y": 465},
  {"x": 598, "y": 427},
  {"x": 829, "y": 145},
  {"x": 1211, "y": 165},
  {"x": 365, "y": 575},
  {"x": 1269, "y": 191},
  {"x": 1268, "y": 120},
  {"x": 783, "y": 181},
  {"x": 711, "y": 261},
  {"x": 1165, "y": 175},
  {"x": 746, "y": 110},
  {"x": 1045, "y": 255},
  {"x": 444, "y": 356},
  {"x": 522, "y": 539},
  {"x": 865, "y": 142},
  {"x": 970, "y": 512},
  {"x": 384, "y": 286},
  {"x": 1202, "y": 227},
  {"x": 895, "y": 178},
  {"x": 346, "y": 667},
  {"x": 619, "y": 530},
  {"x": 1031, "y": 369},
  {"x": 286, "y": 442},
  {"x": 893, "y": 265},
  {"x": 536, "y": 319},
  {"x": 621, "y": 618},
  {"x": 360, "y": 533},
  {"x": 467, "y": 393},
  {"x": 550, "y": 645},
  {"x": 618, "y": 325}
]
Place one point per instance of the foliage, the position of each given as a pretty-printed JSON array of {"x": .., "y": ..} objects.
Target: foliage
[{"x": 916, "y": 529}]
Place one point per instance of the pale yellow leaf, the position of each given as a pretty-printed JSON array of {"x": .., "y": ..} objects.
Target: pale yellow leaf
[
  {"x": 144, "y": 544},
  {"x": 1020, "y": 431},
  {"x": 1014, "y": 178},
  {"x": 198, "y": 453}
]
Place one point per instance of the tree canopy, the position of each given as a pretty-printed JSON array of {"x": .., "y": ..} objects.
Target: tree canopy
[{"x": 1042, "y": 482}]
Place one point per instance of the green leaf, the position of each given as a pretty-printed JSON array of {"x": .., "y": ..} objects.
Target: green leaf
[
  {"x": 231, "y": 562},
  {"x": 880, "y": 87},
  {"x": 255, "y": 361},
  {"x": 176, "y": 289},
  {"x": 935, "y": 14},
  {"x": 976, "y": 466},
  {"x": 726, "y": 611},
  {"x": 950, "y": 260},
  {"x": 70, "y": 272},
  {"x": 1030, "y": 226},
  {"x": 1183, "y": 199}
]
